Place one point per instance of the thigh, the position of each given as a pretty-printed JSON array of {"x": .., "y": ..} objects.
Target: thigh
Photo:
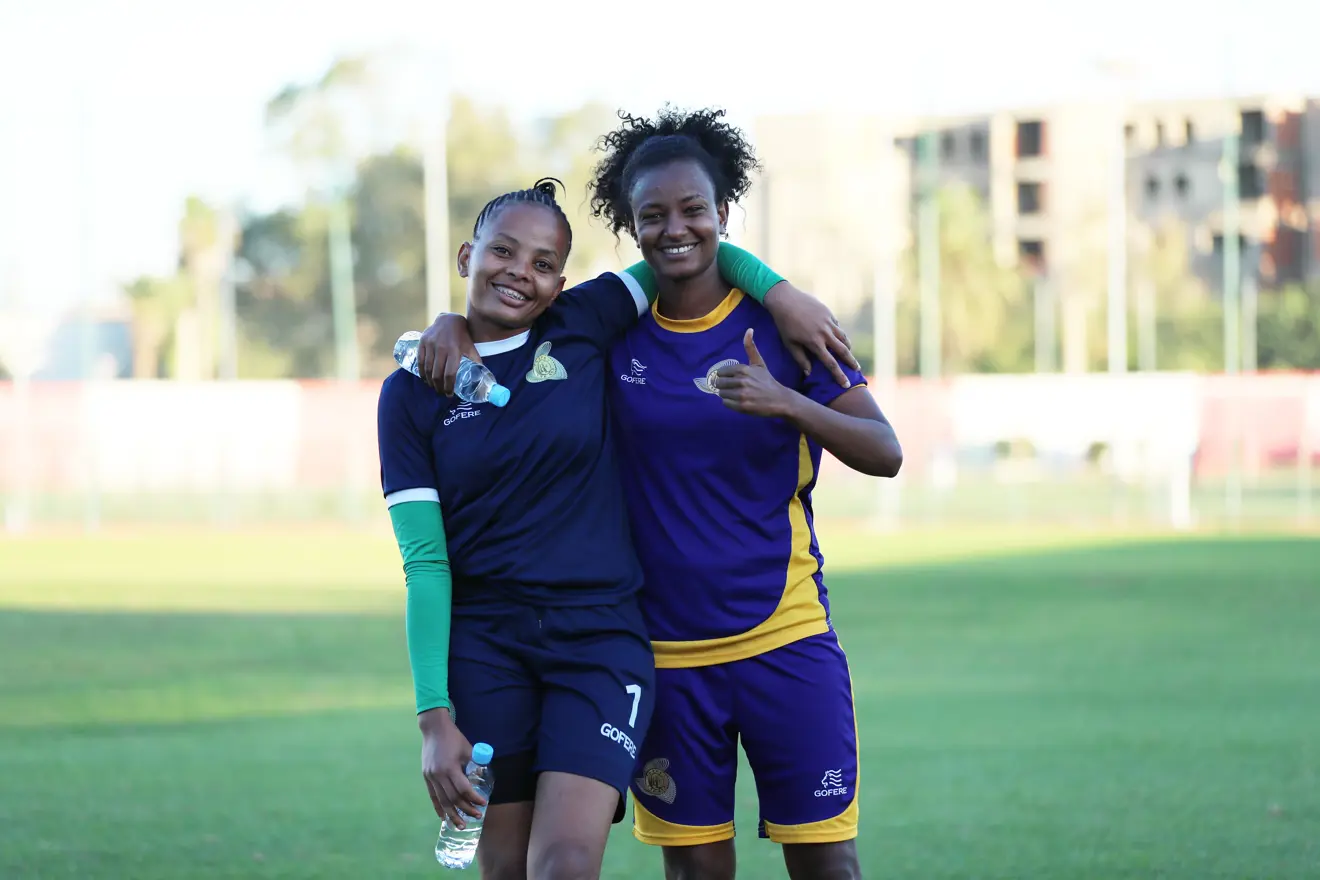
[
  {"x": 570, "y": 826},
  {"x": 794, "y": 707},
  {"x": 598, "y": 678},
  {"x": 496, "y": 698},
  {"x": 683, "y": 790}
]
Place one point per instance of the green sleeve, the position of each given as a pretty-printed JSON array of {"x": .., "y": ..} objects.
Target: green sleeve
[
  {"x": 420, "y": 530},
  {"x": 740, "y": 268}
]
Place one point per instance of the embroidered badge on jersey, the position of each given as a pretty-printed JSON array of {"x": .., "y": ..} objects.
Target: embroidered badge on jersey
[
  {"x": 704, "y": 383},
  {"x": 544, "y": 367}
]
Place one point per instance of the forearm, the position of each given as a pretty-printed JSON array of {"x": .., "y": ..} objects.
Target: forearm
[
  {"x": 419, "y": 528},
  {"x": 868, "y": 446},
  {"x": 428, "y": 611}
]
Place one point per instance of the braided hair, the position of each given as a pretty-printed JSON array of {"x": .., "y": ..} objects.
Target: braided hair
[
  {"x": 640, "y": 144},
  {"x": 541, "y": 193}
]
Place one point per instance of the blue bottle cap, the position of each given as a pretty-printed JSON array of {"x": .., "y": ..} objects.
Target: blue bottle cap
[
  {"x": 499, "y": 395},
  {"x": 482, "y": 753}
]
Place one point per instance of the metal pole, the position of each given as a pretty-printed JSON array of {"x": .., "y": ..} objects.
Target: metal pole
[
  {"x": 1250, "y": 307},
  {"x": 884, "y": 322},
  {"x": 87, "y": 330},
  {"x": 341, "y": 290},
  {"x": 435, "y": 171},
  {"x": 345, "y": 324},
  {"x": 1117, "y": 311},
  {"x": 1046, "y": 331},
  {"x": 1232, "y": 269},
  {"x": 1146, "y": 326},
  {"x": 928, "y": 246},
  {"x": 228, "y": 306}
]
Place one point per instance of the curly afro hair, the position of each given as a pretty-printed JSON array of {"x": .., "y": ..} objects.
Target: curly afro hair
[{"x": 640, "y": 144}]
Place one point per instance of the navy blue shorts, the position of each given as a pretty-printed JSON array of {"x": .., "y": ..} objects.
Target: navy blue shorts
[{"x": 569, "y": 690}]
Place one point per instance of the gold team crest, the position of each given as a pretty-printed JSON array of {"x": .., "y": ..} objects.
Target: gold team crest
[
  {"x": 656, "y": 781},
  {"x": 704, "y": 382},
  {"x": 544, "y": 367}
]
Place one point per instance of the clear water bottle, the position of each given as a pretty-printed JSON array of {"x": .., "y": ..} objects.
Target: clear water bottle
[
  {"x": 456, "y": 847},
  {"x": 474, "y": 383}
]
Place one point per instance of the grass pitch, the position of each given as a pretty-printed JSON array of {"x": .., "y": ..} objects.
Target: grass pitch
[{"x": 1031, "y": 706}]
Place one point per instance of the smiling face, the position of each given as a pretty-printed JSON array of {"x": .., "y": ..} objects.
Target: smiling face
[
  {"x": 677, "y": 220},
  {"x": 514, "y": 269}
]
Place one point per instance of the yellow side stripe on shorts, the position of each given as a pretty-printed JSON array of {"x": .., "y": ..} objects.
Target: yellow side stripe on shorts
[{"x": 654, "y": 831}]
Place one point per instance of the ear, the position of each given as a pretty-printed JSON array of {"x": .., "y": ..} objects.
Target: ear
[
  {"x": 723, "y": 212},
  {"x": 464, "y": 258},
  {"x": 559, "y": 288}
]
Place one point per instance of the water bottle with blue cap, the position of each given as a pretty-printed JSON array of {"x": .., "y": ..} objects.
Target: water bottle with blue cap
[
  {"x": 473, "y": 384},
  {"x": 457, "y": 847}
]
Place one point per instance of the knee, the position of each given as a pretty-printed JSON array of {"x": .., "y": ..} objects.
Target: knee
[
  {"x": 566, "y": 860},
  {"x": 713, "y": 861},
  {"x": 823, "y": 861},
  {"x": 502, "y": 862}
]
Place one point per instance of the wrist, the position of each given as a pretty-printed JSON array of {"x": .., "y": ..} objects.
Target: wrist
[
  {"x": 794, "y": 408},
  {"x": 777, "y": 294},
  {"x": 433, "y": 719}
]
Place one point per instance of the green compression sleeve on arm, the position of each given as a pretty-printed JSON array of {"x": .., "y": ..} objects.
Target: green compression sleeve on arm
[
  {"x": 643, "y": 275},
  {"x": 742, "y": 269},
  {"x": 746, "y": 272},
  {"x": 420, "y": 530}
]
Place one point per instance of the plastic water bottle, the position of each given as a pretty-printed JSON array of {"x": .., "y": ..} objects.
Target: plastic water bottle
[
  {"x": 456, "y": 847},
  {"x": 474, "y": 383}
]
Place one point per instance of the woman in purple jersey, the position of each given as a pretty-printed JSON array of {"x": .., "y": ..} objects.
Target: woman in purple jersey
[{"x": 668, "y": 183}]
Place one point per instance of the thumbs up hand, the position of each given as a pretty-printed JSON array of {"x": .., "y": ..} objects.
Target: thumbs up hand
[{"x": 750, "y": 388}]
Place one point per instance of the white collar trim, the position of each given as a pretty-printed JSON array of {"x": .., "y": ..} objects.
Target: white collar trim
[{"x": 500, "y": 346}]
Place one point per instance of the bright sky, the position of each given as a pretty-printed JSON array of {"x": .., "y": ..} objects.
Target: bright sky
[{"x": 112, "y": 111}]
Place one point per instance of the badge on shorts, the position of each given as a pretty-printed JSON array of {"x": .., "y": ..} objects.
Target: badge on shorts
[
  {"x": 656, "y": 782},
  {"x": 544, "y": 367}
]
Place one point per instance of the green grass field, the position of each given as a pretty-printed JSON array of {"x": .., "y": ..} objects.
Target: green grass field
[{"x": 1048, "y": 706}]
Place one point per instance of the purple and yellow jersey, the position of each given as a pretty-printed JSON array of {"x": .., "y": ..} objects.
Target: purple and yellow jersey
[{"x": 720, "y": 501}]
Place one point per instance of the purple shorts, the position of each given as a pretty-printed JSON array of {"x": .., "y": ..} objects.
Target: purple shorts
[{"x": 793, "y": 710}]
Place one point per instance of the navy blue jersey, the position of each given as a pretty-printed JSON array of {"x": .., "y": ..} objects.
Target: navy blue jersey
[{"x": 531, "y": 495}]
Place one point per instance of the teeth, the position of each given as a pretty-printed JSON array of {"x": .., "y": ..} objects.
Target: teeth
[
  {"x": 510, "y": 293},
  {"x": 678, "y": 250}
]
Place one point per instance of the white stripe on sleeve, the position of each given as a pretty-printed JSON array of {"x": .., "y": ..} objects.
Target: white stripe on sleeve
[
  {"x": 403, "y": 496},
  {"x": 635, "y": 288}
]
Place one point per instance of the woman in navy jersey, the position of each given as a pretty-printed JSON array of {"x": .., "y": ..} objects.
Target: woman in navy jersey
[{"x": 524, "y": 629}]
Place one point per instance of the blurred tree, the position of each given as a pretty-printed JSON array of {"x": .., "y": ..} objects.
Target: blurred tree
[
  {"x": 206, "y": 244},
  {"x": 1188, "y": 321},
  {"x": 4, "y": 373},
  {"x": 283, "y": 301},
  {"x": 324, "y": 124},
  {"x": 483, "y": 152},
  {"x": 1288, "y": 329},
  {"x": 156, "y": 304},
  {"x": 565, "y": 148},
  {"x": 986, "y": 309},
  {"x": 389, "y": 232}
]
